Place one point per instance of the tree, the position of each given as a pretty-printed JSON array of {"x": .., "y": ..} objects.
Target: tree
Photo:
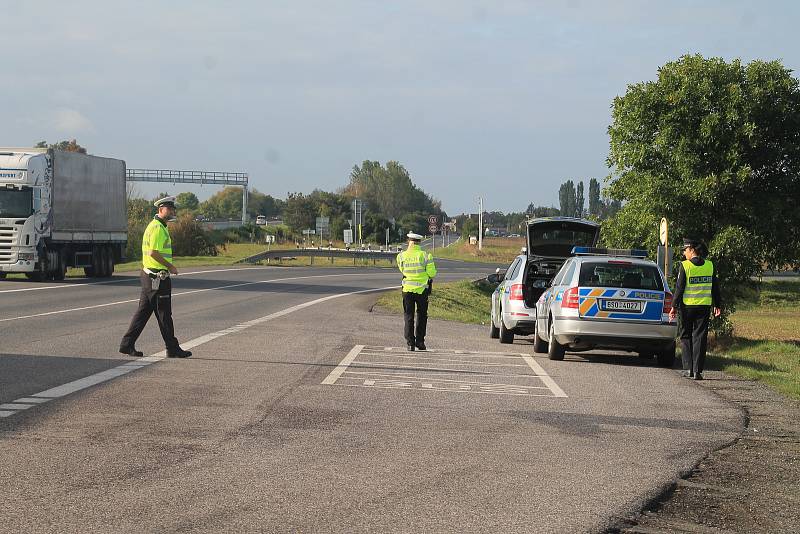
[
  {"x": 594, "y": 198},
  {"x": 579, "y": 200},
  {"x": 225, "y": 204},
  {"x": 187, "y": 201},
  {"x": 715, "y": 148},
  {"x": 300, "y": 212},
  {"x": 66, "y": 146},
  {"x": 260, "y": 204},
  {"x": 566, "y": 199}
]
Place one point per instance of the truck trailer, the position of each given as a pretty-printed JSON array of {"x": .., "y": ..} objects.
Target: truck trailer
[{"x": 61, "y": 209}]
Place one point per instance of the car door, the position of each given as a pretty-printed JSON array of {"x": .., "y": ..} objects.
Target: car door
[{"x": 503, "y": 287}]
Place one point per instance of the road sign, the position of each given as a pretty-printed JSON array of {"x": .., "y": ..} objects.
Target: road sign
[
  {"x": 348, "y": 236},
  {"x": 309, "y": 232},
  {"x": 433, "y": 220},
  {"x": 432, "y": 228},
  {"x": 662, "y": 231}
]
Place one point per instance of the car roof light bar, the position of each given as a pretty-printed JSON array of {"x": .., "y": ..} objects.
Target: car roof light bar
[{"x": 623, "y": 252}]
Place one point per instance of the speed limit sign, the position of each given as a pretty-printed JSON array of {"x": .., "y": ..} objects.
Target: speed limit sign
[
  {"x": 432, "y": 228},
  {"x": 433, "y": 220}
]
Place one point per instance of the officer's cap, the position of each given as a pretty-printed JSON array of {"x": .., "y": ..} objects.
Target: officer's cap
[
  {"x": 170, "y": 202},
  {"x": 415, "y": 237},
  {"x": 689, "y": 242}
]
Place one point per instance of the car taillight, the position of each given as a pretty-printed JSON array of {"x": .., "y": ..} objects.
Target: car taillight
[
  {"x": 667, "y": 302},
  {"x": 515, "y": 292},
  {"x": 570, "y": 298}
]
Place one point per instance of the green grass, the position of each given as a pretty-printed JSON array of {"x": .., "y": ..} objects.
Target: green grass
[
  {"x": 495, "y": 250},
  {"x": 462, "y": 301}
]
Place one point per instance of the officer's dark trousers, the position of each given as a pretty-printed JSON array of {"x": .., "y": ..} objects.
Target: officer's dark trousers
[
  {"x": 694, "y": 337},
  {"x": 150, "y": 301},
  {"x": 420, "y": 302}
]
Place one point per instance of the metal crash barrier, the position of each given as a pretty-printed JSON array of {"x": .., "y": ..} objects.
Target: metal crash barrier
[{"x": 321, "y": 253}]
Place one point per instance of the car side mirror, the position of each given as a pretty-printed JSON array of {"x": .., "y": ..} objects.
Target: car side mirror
[{"x": 493, "y": 278}]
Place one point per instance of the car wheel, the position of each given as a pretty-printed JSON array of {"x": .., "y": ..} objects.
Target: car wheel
[
  {"x": 506, "y": 335},
  {"x": 666, "y": 357},
  {"x": 645, "y": 355},
  {"x": 539, "y": 344},
  {"x": 494, "y": 332},
  {"x": 2, "y": 276},
  {"x": 555, "y": 350}
]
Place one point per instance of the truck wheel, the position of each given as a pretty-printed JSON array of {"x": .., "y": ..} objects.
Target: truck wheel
[
  {"x": 110, "y": 263},
  {"x": 555, "y": 350},
  {"x": 666, "y": 357},
  {"x": 60, "y": 271},
  {"x": 506, "y": 335},
  {"x": 35, "y": 276},
  {"x": 2, "y": 276},
  {"x": 494, "y": 332}
]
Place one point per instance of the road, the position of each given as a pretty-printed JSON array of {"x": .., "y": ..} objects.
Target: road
[{"x": 299, "y": 412}]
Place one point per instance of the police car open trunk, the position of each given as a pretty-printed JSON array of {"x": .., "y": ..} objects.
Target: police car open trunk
[{"x": 550, "y": 242}]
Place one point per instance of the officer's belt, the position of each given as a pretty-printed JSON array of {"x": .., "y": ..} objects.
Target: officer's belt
[{"x": 159, "y": 273}]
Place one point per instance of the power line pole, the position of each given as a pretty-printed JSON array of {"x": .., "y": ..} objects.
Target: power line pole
[{"x": 480, "y": 223}]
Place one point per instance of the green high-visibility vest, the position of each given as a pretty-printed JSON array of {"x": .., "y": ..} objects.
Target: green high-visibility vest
[
  {"x": 698, "y": 283},
  {"x": 156, "y": 237},
  {"x": 417, "y": 267}
]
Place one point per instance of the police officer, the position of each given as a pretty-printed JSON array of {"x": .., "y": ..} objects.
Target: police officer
[
  {"x": 418, "y": 272},
  {"x": 696, "y": 291},
  {"x": 156, "y": 285}
]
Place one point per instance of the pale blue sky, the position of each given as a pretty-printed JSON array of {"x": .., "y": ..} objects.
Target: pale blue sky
[{"x": 500, "y": 99}]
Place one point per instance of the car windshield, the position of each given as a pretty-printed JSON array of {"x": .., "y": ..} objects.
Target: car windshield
[
  {"x": 620, "y": 274},
  {"x": 16, "y": 202}
]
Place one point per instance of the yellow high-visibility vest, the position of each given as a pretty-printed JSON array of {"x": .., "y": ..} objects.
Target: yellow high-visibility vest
[
  {"x": 417, "y": 267},
  {"x": 698, "y": 283},
  {"x": 156, "y": 237}
]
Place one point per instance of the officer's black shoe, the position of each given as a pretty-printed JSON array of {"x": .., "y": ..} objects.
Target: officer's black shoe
[
  {"x": 131, "y": 352},
  {"x": 421, "y": 346},
  {"x": 410, "y": 347},
  {"x": 698, "y": 376},
  {"x": 179, "y": 353},
  {"x": 687, "y": 374}
]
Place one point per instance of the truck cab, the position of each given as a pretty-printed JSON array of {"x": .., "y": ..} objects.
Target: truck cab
[{"x": 24, "y": 184}]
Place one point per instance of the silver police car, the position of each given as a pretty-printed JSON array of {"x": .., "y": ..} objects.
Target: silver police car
[
  {"x": 607, "y": 299},
  {"x": 549, "y": 241}
]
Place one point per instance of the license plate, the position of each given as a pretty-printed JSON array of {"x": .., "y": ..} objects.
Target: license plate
[{"x": 632, "y": 306}]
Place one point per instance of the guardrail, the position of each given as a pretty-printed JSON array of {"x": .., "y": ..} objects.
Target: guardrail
[{"x": 322, "y": 253}]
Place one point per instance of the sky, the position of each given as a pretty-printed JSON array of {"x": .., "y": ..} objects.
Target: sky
[{"x": 499, "y": 99}]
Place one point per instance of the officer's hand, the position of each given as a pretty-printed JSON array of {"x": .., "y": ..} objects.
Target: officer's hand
[
  {"x": 173, "y": 270},
  {"x": 672, "y": 314},
  {"x": 717, "y": 312}
]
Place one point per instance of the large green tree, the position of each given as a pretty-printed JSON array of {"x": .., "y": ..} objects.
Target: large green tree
[
  {"x": 225, "y": 204},
  {"x": 187, "y": 202},
  {"x": 714, "y": 147}
]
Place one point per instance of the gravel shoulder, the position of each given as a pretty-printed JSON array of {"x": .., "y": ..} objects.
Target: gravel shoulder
[{"x": 751, "y": 486}]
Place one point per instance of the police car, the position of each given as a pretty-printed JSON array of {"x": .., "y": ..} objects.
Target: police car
[{"x": 607, "y": 299}]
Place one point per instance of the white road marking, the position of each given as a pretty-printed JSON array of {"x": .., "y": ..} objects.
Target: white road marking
[
  {"x": 541, "y": 373},
  {"x": 105, "y": 305},
  {"x": 115, "y": 372},
  {"x": 416, "y": 375},
  {"x": 84, "y": 284},
  {"x": 343, "y": 365}
]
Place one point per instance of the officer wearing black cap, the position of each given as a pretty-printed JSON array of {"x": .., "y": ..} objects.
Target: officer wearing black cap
[
  {"x": 156, "y": 284},
  {"x": 696, "y": 292}
]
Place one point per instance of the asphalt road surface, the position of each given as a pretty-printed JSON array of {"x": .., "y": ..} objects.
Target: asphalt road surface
[{"x": 300, "y": 411}]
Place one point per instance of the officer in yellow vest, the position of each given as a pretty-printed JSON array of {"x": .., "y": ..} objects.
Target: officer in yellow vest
[
  {"x": 156, "y": 284},
  {"x": 418, "y": 272},
  {"x": 696, "y": 292}
]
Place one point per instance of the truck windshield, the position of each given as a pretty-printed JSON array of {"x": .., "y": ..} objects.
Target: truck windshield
[{"x": 16, "y": 203}]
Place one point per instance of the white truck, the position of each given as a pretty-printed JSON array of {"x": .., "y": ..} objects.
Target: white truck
[{"x": 61, "y": 209}]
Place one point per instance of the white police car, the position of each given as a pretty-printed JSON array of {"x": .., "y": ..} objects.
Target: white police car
[{"x": 607, "y": 299}]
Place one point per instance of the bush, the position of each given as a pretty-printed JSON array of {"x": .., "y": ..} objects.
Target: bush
[{"x": 189, "y": 238}]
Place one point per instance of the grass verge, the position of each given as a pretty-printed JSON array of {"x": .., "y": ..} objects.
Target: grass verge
[
  {"x": 495, "y": 250},
  {"x": 462, "y": 301}
]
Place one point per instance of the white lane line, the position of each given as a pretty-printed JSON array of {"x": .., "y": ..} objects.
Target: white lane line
[
  {"x": 541, "y": 373},
  {"x": 120, "y": 370},
  {"x": 343, "y": 365},
  {"x": 84, "y": 284},
  {"x": 107, "y": 304}
]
